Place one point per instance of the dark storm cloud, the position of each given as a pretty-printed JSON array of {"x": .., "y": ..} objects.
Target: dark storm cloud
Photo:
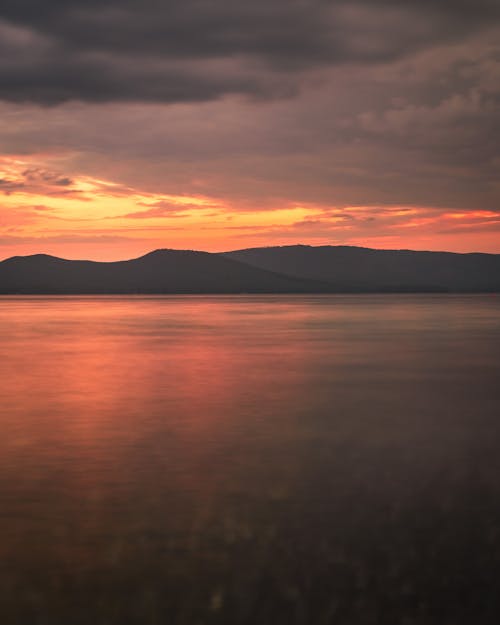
[{"x": 53, "y": 51}]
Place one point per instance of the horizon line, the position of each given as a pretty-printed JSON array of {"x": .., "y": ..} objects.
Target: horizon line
[{"x": 262, "y": 247}]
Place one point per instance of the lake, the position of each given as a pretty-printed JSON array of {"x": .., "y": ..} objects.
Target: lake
[{"x": 250, "y": 460}]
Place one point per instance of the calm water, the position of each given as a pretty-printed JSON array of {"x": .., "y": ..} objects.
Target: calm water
[{"x": 250, "y": 460}]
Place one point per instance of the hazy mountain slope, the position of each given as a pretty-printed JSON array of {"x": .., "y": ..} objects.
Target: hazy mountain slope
[
  {"x": 291, "y": 269},
  {"x": 162, "y": 271},
  {"x": 363, "y": 269}
]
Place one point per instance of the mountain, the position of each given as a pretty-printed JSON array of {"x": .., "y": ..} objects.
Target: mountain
[
  {"x": 289, "y": 269},
  {"x": 358, "y": 269},
  {"x": 161, "y": 271}
]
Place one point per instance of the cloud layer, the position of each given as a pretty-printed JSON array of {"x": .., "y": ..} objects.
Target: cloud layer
[
  {"x": 366, "y": 122},
  {"x": 197, "y": 50}
]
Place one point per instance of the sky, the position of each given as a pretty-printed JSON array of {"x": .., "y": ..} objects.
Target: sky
[{"x": 131, "y": 125}]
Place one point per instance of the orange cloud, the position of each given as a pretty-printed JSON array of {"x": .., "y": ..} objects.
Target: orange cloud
[{"x": 76, "y": 216}]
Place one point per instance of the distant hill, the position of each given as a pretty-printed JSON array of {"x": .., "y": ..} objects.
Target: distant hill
[
  {"x": 361, "y": 269},
  {"x": 289, "y": 269},
  {"x": 162, "y": 271}
]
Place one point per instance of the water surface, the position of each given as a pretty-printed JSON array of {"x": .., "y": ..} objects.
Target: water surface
[{"x": 250, "y": 460}]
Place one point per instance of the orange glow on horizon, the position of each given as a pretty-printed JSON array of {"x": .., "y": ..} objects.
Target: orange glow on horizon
[{"x": 76, "y": 216}]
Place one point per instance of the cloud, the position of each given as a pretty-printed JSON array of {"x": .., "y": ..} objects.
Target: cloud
[
  {"x": 38, "y": 175},
  {"x": 63, "y": 238},
  {"x": 159, "y": 211},
  {"x": 194, "y": 50},
  {"x": 421, "y": 131},
  {"x": 392, "y": 106},
  {"x": 8, "y": 186},
  {"x": 35, "y": 180}
]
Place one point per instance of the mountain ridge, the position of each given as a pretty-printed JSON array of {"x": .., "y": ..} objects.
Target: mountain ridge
[
  {"x": 157, "y": 272},
  {"x": 361, "y": 269},
  {"x": 272, "y": 269}
]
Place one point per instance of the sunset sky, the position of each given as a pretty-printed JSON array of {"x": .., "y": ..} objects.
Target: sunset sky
[{"x": 130, "y": 125}]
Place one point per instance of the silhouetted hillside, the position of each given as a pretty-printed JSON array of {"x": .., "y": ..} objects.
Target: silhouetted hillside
[
  {"x": 162, "y": 271},
  {"x": 290, "y": 269},
  {"x": 362, "y": 269}
]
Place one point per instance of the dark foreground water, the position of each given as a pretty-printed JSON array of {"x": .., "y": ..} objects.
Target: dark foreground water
[{"x": 250, "y": 460}]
